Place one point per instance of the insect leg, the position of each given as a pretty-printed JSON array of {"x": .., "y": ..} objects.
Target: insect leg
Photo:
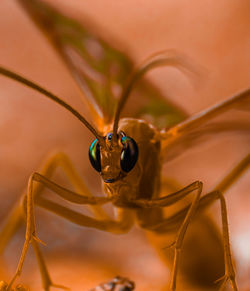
[
  {"x": 180, "y": 236},
  {"x": 208, "y": 199},
  {"x": 195, "y": 121},
  {"x": 121, "y": 225},
  {"x": 193, "y": 130},
  {"x": 61, "y": 160},
  {"x": 173, "y": 221},
  {"x": 30, "y": 221},
  {"x": 229, "y": 269},
  {"x": 167, "y": 201},
  {"x": 169, "y": 184},
  {"x": 46, "y": 279},
  {"x": 17, "y": 216}
]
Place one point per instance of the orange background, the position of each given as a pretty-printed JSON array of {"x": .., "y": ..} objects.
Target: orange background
[{"x": 214, "y": 34}]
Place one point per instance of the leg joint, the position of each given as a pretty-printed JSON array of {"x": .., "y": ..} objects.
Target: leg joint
[
  {"x": 35, "y": 177},
  {"x": 199, "y": 184}
]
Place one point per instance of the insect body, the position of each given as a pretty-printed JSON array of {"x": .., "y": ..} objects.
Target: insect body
[
  {"x": 117, "y": 284},
  {"x": 129, "y": 161},
  {"x": 128, "y": 153},
  {"x": 140, "y": 181}
]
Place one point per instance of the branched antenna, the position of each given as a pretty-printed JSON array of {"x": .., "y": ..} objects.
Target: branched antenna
[
  {"x": 164, "y": 58},
  {"x": 51, "y": 96}
]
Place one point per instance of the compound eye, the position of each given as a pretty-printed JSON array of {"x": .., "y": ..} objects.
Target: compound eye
[
  {"x": 129, "y": 155},
  {"x": 95, "y": 156}
]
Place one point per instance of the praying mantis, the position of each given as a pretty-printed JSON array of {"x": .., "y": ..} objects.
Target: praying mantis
[{"x": 130, "y": 144}]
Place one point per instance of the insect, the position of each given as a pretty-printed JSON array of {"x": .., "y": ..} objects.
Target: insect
[
  {"x": 123, "y": 284},
  {"x": 131, "y": 176}
]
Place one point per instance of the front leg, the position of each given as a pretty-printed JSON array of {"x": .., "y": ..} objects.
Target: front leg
[
  {"x": 171, "y": 199},
  {"x": 31, "y": 235},
  {"x": 160, "y": 225},
  {"x": 122, "y": 224},
  {"x": 17, "y": 215}
]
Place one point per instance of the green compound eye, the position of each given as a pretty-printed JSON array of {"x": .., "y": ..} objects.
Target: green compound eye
[
  {"x": 94, "y": 155},
  {"x": 129, "y": 154}
]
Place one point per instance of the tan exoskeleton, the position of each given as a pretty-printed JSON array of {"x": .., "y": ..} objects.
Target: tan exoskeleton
[{"x": 129, "y": 158}]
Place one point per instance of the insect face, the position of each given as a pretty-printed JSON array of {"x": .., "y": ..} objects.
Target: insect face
[{"x": 113, "y": 158}]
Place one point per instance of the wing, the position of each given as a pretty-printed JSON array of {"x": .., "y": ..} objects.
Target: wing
[
  {"x": 232, "y": 115},
  {"x": 100, "y": 70}
]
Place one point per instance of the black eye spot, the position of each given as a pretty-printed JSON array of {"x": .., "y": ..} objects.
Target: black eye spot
[
  {"x": 129, "y": 154},
  {"x": 109, "y": 136},
  {"x": 95, "y": 156}
]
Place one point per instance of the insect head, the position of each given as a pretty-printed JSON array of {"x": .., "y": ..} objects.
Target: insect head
[{"x": 126, "y": 146}]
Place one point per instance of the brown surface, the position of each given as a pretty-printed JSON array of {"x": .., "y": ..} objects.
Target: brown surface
[{"x": 215, "y": 35}]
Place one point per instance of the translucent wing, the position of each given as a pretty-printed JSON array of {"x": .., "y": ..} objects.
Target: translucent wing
[
  {"x": 232, "y": 115},
  {"x": 100, "y": 70}
]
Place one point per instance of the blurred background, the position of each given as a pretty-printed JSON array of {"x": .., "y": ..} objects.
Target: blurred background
[{"x": 215, "y": 35}]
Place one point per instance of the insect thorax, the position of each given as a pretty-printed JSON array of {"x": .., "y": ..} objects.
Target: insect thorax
[{"x": 144, "y": 179}]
